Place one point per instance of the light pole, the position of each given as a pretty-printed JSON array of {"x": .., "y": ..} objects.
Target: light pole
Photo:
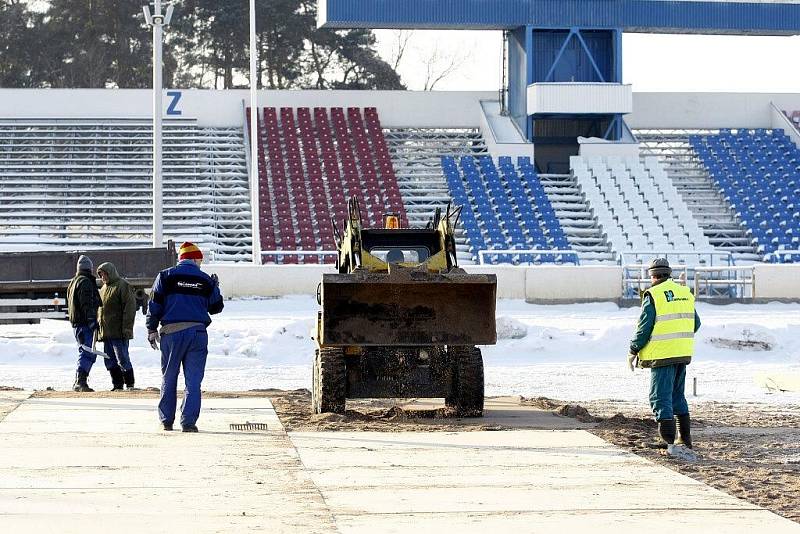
[
  {"x": 157, "y": 20},
  {"x": 254, "y": 190}
]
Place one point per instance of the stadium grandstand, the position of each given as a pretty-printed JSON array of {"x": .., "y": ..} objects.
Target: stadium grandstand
[{"x": 569, "y": 166}]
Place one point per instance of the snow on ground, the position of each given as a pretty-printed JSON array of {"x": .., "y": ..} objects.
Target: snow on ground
[{"x": 574, "y": 352}]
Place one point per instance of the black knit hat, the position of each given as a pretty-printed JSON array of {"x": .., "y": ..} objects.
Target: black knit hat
[{"x": 659, "y": 268}]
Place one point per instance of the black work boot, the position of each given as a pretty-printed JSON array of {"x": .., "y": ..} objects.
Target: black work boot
[
  {"x": 116, "y": 379},
  {"x": 666, "y": 429},
  {"x": 128, "y": 376},
  {"x": 81, "y": 385},
  {"x": 685, "y": 429}
]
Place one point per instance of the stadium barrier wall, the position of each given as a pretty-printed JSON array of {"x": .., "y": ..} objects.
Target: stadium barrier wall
[
  {"x": 594, "y": 147},
  {"x": 707, "y": 110},
  {"x": 540, "y": 284},
  {"x": 397, "y": 109},
  {"x": 781, "y": 121},
  {"x": 421, "y": 109},
  {"x": 776, "y": 282}
]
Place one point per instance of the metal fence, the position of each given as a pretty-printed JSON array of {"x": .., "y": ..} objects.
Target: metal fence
[
  {"x": 280, "y": 256},
  {"x": 529, "y": 256},
  {"x": 723, "y": 282}
]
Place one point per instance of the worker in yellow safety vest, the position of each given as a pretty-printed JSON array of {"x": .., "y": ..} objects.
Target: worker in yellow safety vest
[{"x": 664, "y": 343}]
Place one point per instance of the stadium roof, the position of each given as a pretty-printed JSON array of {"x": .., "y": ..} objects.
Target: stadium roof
[{"x": 737, "y": 17}]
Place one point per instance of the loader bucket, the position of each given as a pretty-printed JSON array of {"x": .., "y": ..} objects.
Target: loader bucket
[{"x": 408, "y": 308}]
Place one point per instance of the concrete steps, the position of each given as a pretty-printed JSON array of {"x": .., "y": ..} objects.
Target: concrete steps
[
  {"x": 713, "y": 213},
  {"x": 576, "y": 218},
  {"x": 417, "y": 158}
]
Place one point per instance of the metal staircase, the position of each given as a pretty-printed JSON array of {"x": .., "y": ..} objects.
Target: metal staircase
[
  {"x": 576, "y": 218},
  {"x": 417, "y": 158},
  {"x": 86, "y": 183},
  {"x": 684, "y": 167}
]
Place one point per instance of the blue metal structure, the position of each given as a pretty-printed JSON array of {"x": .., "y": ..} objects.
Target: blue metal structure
[
  {"x": 566, "y": 41},
  {"x": 644, "y": 16}
]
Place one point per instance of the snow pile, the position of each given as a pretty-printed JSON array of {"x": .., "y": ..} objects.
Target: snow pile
[
  {"x": 571, "y": 352},
  {"x": 510, "y": 328}
]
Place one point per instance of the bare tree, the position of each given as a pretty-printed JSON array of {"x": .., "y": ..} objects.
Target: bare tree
[
  {"x": 399, "y": 46},
  {"x": 440, "y": 64}
]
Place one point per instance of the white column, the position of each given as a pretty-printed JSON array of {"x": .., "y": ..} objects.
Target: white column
[
  {"x": 158, "y": 223},
  {"x": 254, "y": 195}
]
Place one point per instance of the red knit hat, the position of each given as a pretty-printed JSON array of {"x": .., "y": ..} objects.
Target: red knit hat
[{"x": 189, "y": 251}]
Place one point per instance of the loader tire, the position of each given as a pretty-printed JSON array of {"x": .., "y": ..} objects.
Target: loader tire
[
  {"x": 466, "y": 393},
  {"x": 328, "y": 394}
]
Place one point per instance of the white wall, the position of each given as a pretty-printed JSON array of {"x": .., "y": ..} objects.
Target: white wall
[
  {"x": 397, "y": 108},
  {"x": 777, "y": 282},
  {"x": 243, "y": 280},
  {"x": 781, "y": 121},
  {"x": 579, "y": 97},
  {"x": 707, "y": 110},
  {"x": 541, "y": 283},
  {"x": 506, "y": 142},
  {"x": 224, "y": 108},
  {"x": 569, "y": 283},
  {"x": 593, "y": 147}
]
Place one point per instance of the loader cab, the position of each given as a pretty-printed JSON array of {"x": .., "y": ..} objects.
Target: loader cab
[{"x": 402, "y": 245}]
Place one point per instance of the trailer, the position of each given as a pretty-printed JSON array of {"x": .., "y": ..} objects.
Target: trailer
[{"x": 33, "y": 285}]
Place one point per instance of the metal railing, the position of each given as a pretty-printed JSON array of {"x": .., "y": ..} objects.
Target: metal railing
[
  {"x": 680, "y": 258},
  {"x": 725, "y": 282},
  {"x": 284, "y": 253},
  {"x": 532, "y": 256},
  {"x": 731, "y": 282}
]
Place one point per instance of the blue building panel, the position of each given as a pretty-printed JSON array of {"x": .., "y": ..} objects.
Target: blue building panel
[
  {"x": 519, "y": 77},
  {"x": 571, "y": 56},
  {"x": 647, "y": 16}
]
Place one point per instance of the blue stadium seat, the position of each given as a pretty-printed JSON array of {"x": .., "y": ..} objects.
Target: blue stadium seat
[
  {"x": 757, "y": 172},
  {"x": 504, "y": 211}
]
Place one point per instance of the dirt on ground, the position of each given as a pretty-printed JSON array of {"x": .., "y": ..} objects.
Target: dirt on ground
[
  {"x": 746, "y": 450},
  {"x": 375, "y": 415},
  {"x": 751, "y": 451}
]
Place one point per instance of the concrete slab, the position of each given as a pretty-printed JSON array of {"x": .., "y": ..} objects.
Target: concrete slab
[
  {"x": 9, "y": 400},
  {"x": 512, "y": 481},
  {"x": 99, "y": 465},
  {"x": 507, "y": 412}
]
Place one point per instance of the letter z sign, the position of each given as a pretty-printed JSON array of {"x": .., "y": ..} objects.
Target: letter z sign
[{"x": 172, "y": 107}]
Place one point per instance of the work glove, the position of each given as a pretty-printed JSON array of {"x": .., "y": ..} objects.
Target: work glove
[
  {"x": 153, "y": 338},
  {"x": 633, "y": 361},
  {"x": 215, "y": 278}
]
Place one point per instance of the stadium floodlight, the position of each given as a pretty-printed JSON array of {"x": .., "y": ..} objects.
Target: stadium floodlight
[{"x": 157, "y": 19}]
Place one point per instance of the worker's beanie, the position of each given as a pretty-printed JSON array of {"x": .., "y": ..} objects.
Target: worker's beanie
[
  {"x": 660, "y": 268},
  {"x": 84, "y": 263},
  {"x": 189, "y": 251}
]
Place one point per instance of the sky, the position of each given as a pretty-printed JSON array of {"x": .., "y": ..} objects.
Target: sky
[{"x": 650, "y": 62}]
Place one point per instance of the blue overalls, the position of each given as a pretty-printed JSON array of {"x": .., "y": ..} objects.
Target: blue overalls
[{"x": 183, "y": 294}]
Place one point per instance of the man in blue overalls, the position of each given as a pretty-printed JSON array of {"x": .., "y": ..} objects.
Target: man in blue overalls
[{"x": 181, "y": 300}]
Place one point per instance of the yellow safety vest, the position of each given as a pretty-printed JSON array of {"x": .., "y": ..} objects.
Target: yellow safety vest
[{"x": 673, "y": 332}]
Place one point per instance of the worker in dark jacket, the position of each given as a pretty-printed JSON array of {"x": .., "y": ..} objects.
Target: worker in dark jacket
[
  {"x": 116, "y": 317},
  {"x": 83, "y": 299},
  {"x": 181, "y": 301},
  {"x": 664, "y": 343}
]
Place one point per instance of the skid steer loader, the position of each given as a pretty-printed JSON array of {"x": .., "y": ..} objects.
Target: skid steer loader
[{"x": 400, "y": 318}]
